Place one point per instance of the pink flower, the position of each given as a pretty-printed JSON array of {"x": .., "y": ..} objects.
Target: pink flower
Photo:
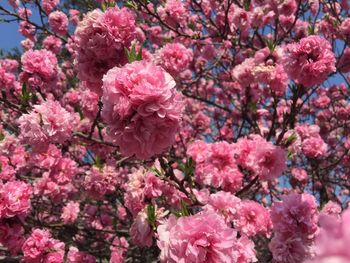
[
  {"x": 14, "y": 199},
  {"x": 40, "y": 247},
  {"x": 299, "y": 174},
  {"x": 288, "y": 249},
  {"x": 27, "y": 30},
  {"x": 89, "y": 103},
  {"x": 12, "y": 237},
  {"x": 10, "y": 65},
  {"x": 58, "y": 21},
  {"x": 53, "y": 44},
  {"x": 100, "y": 40},
  {"x": 70, "y": 212},
  {"x": 140, "y": 231},
  {"x": 76, "y": 256},
  {"x": 27, "y": 44},
  {"x": 14, "y": 3},
  {"x": 74, "y": 16},
  {"x": 295, "y": 226},
  {"x": 39, "y": 68},
  {"x": 47, "y": 122},
  {"x": 204, "y": 237},
  {"x": 7, "y": 173},
  {"x": 314, "y": 147},
  {"x": 224, "y": 203},
  {"x": 333, "y": 239},
  {"x": 141, "y": 108},
  {"x": 98, "y": 182},
  {"x": 49, "y": 5},
  {"x": 173, "y": 12},
  {"x": 118, "y": 250},
  {"x": 310, "y": 61},
  {"x": 252, "y": 219},
  {"x": 263, "y": 158},
  {"x": 331, "y": 208},
  {"x": 174, "y": 58},
  {"x": 344, "y": 61},
  {"x": 216, "y": 165},
  {"x": 296, "y": 214}
]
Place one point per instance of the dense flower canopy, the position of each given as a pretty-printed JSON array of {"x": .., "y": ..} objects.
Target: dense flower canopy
[{"x": 175, "y": 131}]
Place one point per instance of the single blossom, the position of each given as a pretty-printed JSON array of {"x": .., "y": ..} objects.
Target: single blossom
[
  {"x": 310, "y": 61},
  {"x": 142, "y": 108}
]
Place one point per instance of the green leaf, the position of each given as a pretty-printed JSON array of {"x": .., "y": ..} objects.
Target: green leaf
[
  {"x": 252, "y": 106},
  {"x": 78, "y": 109},
  {"x": 188, "y": 168},
  {"x": 132, "y": 55},
  {"x": 2, "y": 136},
  {"x": 310, "y": 30},
  {"x": 98, "y": 162},
  {"x": 156, "y": 171},
  {"x": 151, "y": 215},
  {"x": 271, "y": 45},
  {"x": 25, "y": 96},
  {"x": 290, "y": 155},
  {"x": 246, "y": 4},
  {"x": 184, "y": 208},
  {"x": 290, "y": 139},
  {"x": 130, "y": 4}
]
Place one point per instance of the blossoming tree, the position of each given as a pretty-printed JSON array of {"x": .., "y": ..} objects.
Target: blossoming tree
[{"x": 176, "y": 131}]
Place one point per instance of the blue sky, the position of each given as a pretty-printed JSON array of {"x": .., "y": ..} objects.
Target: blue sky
[{"x": 10, "y": 37}]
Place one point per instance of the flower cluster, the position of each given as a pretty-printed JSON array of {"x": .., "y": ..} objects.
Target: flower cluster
[
  {"x": 204, "y": 237},
  {"x": 41, "y": 247},
  {"x": 14, "y": 199},
  {"x": 261, "y": 157},
  {"x": 295, "y": 225},
  {"x": 39, "y": 69},
  {"x": 48, "y": 122},
  {"x": 216, "y": 165},
  {"x": 100, "y": 40},
  {"x": 310, "y": 61},
  {"x": 142, "y": 108},
  {"x": 174, "y": 58}
]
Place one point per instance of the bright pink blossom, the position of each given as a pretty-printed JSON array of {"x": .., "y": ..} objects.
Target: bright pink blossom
[
  {"x": 204, "y": 237},
  {"x": 41, "y": 247},
  {"x": 14, "y": 199},
  {"x": 49, "y": 5},
  {"x": 310, "y": 61},
  {"x": 141, "y": 108},
  {"x": 174, "y": 58},
  {"x": 39, "y": 68},
  {"x": 58, "y": 21},
  {"x": 100, "y": 40},
  {"x": 262, "y": 157},
  {"x": 216, "y": 165},
  {"x": 48, "y": 122},
  {"x": 70, "y": 212}
]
